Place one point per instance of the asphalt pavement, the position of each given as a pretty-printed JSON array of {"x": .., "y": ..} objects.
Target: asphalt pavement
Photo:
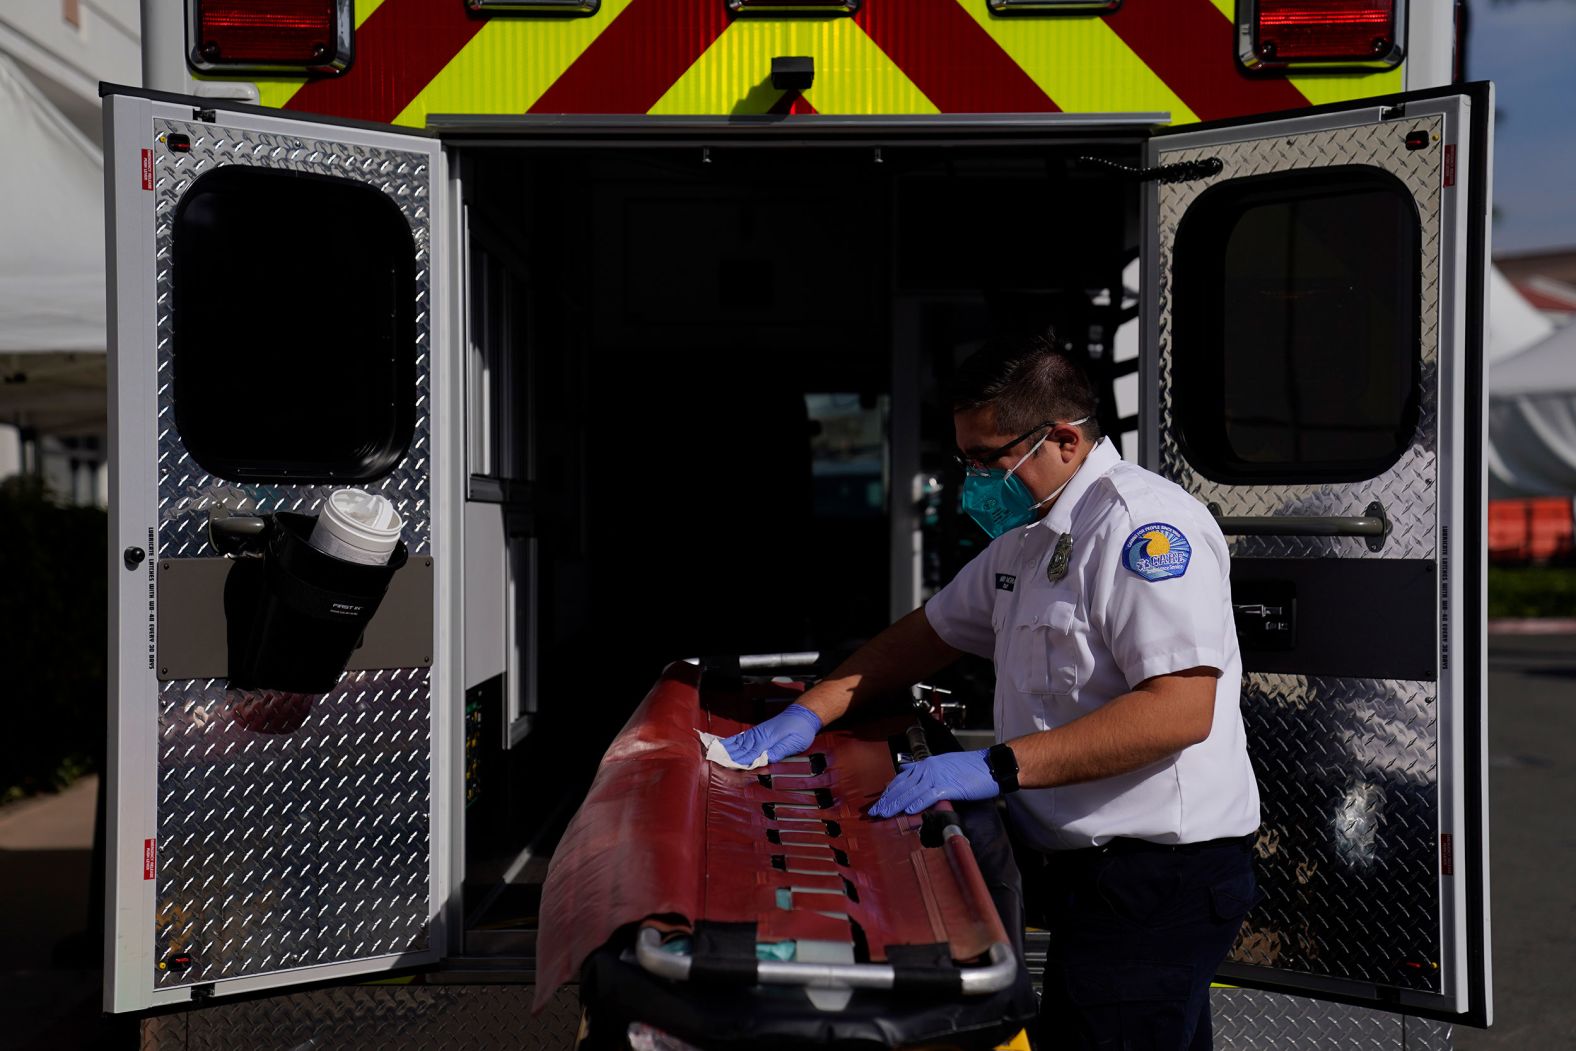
[
  {"x": 1532, "y": 834},
  {"x": 49, "y": 986}
]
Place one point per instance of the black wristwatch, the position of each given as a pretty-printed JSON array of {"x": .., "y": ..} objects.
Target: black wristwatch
[{"x": 1003, "y": 765}]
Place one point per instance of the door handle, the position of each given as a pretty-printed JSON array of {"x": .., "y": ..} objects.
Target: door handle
[{"x": 1373, "y": 525}]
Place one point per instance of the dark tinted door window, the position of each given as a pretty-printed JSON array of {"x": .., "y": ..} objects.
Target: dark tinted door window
[
  {"x": 294, "y": 342},
  {"x": 1296, "y": 310}
]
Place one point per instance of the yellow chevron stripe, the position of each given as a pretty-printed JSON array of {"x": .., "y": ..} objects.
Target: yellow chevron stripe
[
  {"x": 508, "y": 64},
  {"x": 1020, "y": 1042},
  {"x": 1081, "y": 63},
  {"x": 1319, "y": 88},
  {"x": 852, "y": 74},
  {"x": 365, "y": 8},
  {"x": 1338, "y": 87},
  {"x": 276, "y": 92}
]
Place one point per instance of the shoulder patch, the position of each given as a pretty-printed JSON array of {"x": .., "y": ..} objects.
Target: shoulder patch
[{"x": 1157, "y": 551}]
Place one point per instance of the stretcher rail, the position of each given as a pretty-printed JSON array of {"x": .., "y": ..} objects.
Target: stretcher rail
[{"x": 991, "y": 977}]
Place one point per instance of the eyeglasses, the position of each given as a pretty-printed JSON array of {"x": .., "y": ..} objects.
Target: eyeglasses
[{"x": 977, "y": 463}]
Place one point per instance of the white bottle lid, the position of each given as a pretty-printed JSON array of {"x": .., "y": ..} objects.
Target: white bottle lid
[{"x": 357, "y": 526}]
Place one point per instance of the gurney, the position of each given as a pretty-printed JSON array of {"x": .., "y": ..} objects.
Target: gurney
[{"x": 722, "y": 907}]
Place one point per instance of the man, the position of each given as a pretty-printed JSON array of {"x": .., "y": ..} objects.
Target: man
[{"x": 1105, "y": 602}]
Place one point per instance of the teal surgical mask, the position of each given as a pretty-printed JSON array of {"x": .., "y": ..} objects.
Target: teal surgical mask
[{"x": 997, "y": 499}]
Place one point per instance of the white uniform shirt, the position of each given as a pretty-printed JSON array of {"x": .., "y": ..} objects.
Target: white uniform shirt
[{"x": 1146, "y": 592}]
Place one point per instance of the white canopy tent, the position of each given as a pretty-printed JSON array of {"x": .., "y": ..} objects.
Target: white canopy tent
[
  {"x": 1532, "y": 419},
  {"x": 52, "y": 333}
]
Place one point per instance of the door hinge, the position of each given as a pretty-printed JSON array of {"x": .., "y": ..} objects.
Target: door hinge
[
  {"x": 207, "y": 116},
  {"x": 1181, "y": 171}
]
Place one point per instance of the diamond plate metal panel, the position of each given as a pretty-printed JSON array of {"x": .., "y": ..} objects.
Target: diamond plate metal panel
[
  {"x": 285, "y": 845},
  {"x": 1406, "y": 489},
  {"x": 377, "y": 1018},
  {"x": 1251, "y": 1020},
  {"x": 291, "y": 831},
  {"x": 444, "y": 1017},
  {"x": 187, "y": 493},
  {"x": 1347, "y": 854}
]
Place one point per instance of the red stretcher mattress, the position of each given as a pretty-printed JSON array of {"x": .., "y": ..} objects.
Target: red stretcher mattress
[{"x": 709, "y": 863}]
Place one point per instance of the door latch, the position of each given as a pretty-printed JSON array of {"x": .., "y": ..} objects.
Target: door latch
[{"x": 1269, "y": 624}]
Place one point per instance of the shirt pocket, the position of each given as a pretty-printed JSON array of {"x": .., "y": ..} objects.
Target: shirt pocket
[{"x": 1042, "y": 657}]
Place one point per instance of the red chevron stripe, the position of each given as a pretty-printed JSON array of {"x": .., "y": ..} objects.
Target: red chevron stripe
[
  {"x": 1193, "y": 48},
  {"x": 637, "y": 58},
  {"x": 792, "y": 104},
  {"x": 399, "y": 49},
  {"x": 957, "y": 65}
]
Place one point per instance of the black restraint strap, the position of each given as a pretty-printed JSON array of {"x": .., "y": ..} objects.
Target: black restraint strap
[
  {"x": 724, "y": 953},
  {"x": 924, "y": 968}
]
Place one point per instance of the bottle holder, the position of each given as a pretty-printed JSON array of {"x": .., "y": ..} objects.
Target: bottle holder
[{"x": 294, "y": 617}]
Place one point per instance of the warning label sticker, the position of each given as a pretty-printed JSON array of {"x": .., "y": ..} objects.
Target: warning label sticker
[
  {"x": 147, "y": 169},
  {"x": 149, "y": 859}
]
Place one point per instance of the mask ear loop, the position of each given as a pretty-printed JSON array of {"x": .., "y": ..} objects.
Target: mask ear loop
[{"x": 1031, "y": 452}]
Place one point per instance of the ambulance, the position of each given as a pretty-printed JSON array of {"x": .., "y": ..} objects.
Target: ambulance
[{"x": 640, "y": 314}]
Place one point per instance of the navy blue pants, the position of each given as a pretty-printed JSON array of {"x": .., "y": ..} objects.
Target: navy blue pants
[{"x": 1137, "y": 932}]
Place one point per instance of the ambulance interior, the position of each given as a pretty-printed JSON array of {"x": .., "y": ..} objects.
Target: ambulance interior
[{"x": 705, "y": 386}]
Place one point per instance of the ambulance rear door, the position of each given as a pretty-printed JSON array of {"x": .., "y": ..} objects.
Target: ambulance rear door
[
  {"x": 278, "y": 322},
  {"x": 1313, "y": 372}
]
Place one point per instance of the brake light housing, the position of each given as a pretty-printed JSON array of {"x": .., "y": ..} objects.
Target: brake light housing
[
  {"x": 270, "y": 36},
  {"x": 1330, "y": 34}
]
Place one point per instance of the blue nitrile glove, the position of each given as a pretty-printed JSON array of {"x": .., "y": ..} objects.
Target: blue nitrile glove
[
  {"x": 787, "y": 733},
  {"x": 956, "y": 775}
]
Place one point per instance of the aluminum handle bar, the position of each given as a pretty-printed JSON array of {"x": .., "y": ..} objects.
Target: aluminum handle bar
[
  {"x": 769, "y": 661},
  {"x": 1372, "y": 525}
]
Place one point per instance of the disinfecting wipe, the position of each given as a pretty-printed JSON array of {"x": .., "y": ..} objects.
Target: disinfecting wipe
[{"x": 357, "y": 526}]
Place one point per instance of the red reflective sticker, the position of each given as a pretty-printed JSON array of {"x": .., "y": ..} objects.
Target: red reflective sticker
[
  {"x": 1450, "y": 164},
  {"x": 150, "y": 856},
  {"x": 1447, "y": 854},
  {"x": 147, "y": 179}
]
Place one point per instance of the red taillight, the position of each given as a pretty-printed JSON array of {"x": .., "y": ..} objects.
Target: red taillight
[
  {"x": 304, "y": 34},
  {"x": 1325, "y": 30}
]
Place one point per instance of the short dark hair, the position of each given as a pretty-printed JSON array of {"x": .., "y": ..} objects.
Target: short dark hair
[{"x": 1028, "y": 381}]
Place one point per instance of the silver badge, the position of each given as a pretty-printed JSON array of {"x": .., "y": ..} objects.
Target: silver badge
[{"x": 1057, "y": 569}]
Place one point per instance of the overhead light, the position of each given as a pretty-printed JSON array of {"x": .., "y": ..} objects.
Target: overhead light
[
  {"x": 793, "y": 7},
  {"x": 793, "y": 73},
  {"x": 1054, "y": 7},
  {"x": 541, "y": 7}
]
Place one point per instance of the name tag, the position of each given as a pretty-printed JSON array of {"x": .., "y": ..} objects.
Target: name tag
[{"x": 1006, "y": 581}]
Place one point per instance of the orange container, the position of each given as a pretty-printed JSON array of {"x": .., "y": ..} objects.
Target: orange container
[
  {"x": 1509, "y": 531},
  {"x": 1550, "y": 528}
]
